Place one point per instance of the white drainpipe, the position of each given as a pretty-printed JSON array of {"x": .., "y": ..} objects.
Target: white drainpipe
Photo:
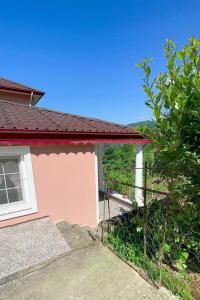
[{"x": 30, "y": 101}]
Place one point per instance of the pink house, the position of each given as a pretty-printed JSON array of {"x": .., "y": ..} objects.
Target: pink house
[{"x": 50, "y": 162}]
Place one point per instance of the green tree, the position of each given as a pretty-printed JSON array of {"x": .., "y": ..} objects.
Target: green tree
[{"x": 174, "y": 98}]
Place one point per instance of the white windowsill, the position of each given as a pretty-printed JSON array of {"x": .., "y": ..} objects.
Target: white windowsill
[{"x": 120, "y": 197}]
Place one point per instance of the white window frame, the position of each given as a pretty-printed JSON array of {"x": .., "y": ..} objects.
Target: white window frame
[{"x": 29, "y": 203}]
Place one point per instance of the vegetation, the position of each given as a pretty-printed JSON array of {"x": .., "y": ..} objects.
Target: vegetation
[
  {"x": 174, "y": 98},
  {"x": 179, "y": 285},
  {"x": 172, "y": 225},
  {"x": 119, "y": 163},
  {"x": 127, "y": 240},
  {"x": 119, "y": 160}
]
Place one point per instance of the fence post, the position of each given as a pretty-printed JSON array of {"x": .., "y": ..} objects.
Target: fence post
[
  {"x": 162, "y": 254},
  {"x": 145, "y": 210}
]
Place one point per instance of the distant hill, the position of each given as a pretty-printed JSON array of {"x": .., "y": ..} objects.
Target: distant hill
[{"x": 148, "y": 123}]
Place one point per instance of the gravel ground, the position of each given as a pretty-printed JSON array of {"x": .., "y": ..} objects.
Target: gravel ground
[{"x": 27, "y": 244}]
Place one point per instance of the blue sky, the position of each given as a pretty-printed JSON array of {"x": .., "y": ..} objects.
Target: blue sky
[{"x": 83, "y": 53}]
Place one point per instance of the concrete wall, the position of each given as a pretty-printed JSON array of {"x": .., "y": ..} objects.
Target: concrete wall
[{"x": 65, "y": 184}]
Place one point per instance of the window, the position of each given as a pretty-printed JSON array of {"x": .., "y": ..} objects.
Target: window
[
  {"x": 10, "y": 181},
  {"x": 17, "y": 194}
]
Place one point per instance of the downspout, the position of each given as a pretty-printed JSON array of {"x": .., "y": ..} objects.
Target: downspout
[{"x": 31, "y": 97}]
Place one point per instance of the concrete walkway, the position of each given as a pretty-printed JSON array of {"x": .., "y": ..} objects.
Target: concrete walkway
[{"x": 89, "y": 271}]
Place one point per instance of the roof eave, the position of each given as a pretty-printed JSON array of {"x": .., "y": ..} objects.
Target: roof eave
[
  {"x": 24, "y": 91},
  {"x": 35, "y": 137},
  {"x": 38, "y": 131},
  {"x": 6, "y": 142}
]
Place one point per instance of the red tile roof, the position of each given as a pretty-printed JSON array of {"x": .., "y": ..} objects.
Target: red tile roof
[
  {"x": 23, "y": 117},
  {"x": 8, "y": 85},
  {"x": 18, "y": 121}
]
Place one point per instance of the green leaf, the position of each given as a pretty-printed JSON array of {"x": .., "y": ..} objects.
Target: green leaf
[
  {"x": 139, "y": 66},
  {"x": 177, "y": 239},
  {"x": 181, "y": 55},
  {"x": 184, "y": 255},
  {"x": 180, "y": 265},
  {"x": 167, "y": 248},
  {"x": 148, "y": 71},
  {"x": 138, "y": 228},
  {"x": 170, "y": 63}
]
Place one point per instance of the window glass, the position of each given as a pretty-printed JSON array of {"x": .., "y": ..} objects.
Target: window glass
[
  {"x": 1, "y": 167},
  {"x": 11, "y": 165},
  {"x": 3, "y": 197},
  {"x": 13, "y": 180},
  {"x": 2, "y": 182},
  {"x": 15, "y": 195}
]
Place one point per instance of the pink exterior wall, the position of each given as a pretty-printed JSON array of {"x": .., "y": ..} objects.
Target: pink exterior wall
[{"x": 65, "y": 184}]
